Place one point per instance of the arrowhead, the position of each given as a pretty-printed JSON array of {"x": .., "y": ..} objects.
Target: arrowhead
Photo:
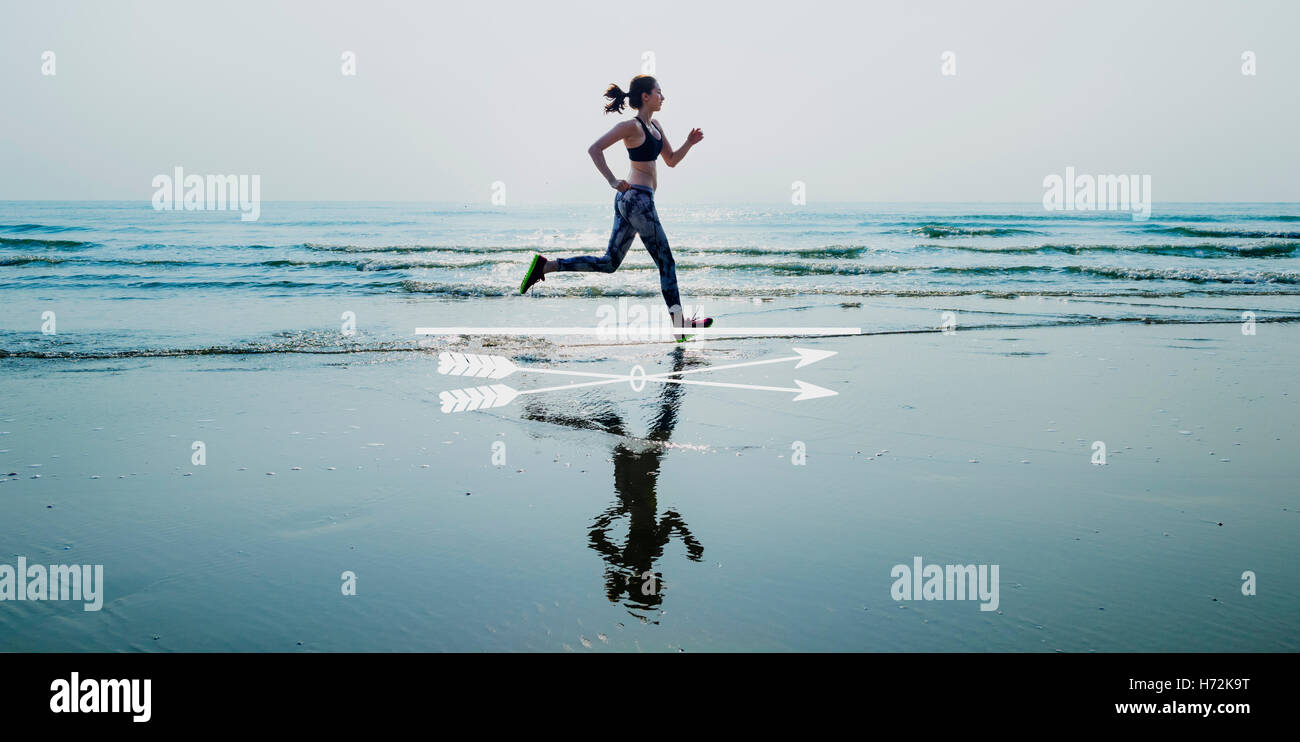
[
  {"x": 501, "y": 367},
  {"x": 809, "y": 391},
  {"x": 807, "y": 357},
  {"x": 505, "y": 394}
]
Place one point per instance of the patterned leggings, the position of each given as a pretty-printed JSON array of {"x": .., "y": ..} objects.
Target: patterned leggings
[{"x": 634, "y": 213}]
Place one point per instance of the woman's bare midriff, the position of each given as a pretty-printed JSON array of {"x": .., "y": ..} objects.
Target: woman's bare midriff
[{"x": 643, "y": 173}]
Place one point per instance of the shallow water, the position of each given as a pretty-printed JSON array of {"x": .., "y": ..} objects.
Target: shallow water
[{"x": 131, "y": 279}]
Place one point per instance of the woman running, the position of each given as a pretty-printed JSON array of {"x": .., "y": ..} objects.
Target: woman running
[{"x": 634, "y": 206}]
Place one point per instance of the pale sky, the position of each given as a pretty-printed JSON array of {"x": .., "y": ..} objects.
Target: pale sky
[{"x": 845, "y": 96}]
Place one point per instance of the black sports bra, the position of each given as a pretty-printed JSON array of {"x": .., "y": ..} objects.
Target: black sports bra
[{"x": 649, "y": 149}]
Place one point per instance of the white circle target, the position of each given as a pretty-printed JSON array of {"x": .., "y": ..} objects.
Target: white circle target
[{"x": 636, "y": 377}]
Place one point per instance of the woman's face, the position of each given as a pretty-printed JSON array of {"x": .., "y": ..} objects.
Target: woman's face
[{"x": 654, "y": 100}]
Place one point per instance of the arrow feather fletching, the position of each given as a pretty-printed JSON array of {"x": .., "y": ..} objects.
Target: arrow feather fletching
[
  {"x": 471, "y": 364},
  {"x": 477, "y": 398}
]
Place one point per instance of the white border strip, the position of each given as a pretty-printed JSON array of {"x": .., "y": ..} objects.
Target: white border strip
[{"x": 639, "y": 332}]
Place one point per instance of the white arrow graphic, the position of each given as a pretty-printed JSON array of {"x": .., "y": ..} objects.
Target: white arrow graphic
[
  {"x": 477, "y": 397},
  {"x": 654, "y": 331},
  {"x": 497, "y": 367},
  {"x": 468, "y": 364}
]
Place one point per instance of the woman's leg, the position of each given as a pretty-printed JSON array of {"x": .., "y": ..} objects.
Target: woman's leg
[
  {"x": 641, "y": 213},
  {"x": 619, "y": 242}
]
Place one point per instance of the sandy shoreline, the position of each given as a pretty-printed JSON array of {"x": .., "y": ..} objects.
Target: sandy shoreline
[{"x": 973, "y": 448}]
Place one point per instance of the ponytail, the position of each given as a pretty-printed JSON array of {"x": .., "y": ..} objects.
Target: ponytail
[
  {"x": 640, "y": 84},
  {"x": 616, "y": 96}
]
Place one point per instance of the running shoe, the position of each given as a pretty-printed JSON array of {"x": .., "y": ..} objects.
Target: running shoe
[
  {"x": 534, "y": 274},
  {"x": 694, "y": 322}
]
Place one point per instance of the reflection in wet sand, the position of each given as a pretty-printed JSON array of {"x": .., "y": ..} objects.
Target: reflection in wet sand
[{"x": 630, "y": 574}]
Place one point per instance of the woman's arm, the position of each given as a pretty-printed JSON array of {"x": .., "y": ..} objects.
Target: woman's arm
[
  {"x": 597, "y": 150},
  {"x": 673, "y": 156}
]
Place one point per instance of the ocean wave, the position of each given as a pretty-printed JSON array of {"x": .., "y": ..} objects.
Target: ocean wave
[
  {"x": 1192, "y": 275},
  {"x": 466, "y": 291},
  {"x": 360, "y": 265},
  {"x": 50, "y": 228},
  {"x": 256, "y": 284},
  {"x": 961, "y": 220},
  {"x": 397, "y": 265},
  {"x": 290, "y": 263},
  {"x": 53, "y": 244},
  {"x": 254, "y": 348},
  {"x": 338, "y": 223},
  {"x": 796, "y": 269},
  {"x": 1226, "y": 233},
  {"x": 938, "y": 231},
  {"x": 30, "y": 259},
  {"x": 126, "y": 281},
  {"x": 400, "y": 249},
  {"x": 383, "y": 265},
  {"x": 172, "y": 246},
  {"x": 1209, "y": 250},
  {"x": 823, "y": 251},
  {"x": 1232, "y": 218},
  {"x": 1197, "y": 275},
  {"x": 142, "y": 262}
]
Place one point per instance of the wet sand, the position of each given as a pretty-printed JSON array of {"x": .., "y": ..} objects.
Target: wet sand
[{"x": 970, "y": 448}]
